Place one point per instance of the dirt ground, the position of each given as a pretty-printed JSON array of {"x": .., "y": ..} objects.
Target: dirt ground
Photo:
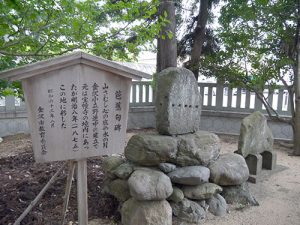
[{"x": 21, "y": 179}]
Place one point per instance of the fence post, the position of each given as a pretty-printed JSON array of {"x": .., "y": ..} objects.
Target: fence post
[
  {"x": 280, "y": 100},
  {"x": 22, "y": 106},
  {"x": 133, "y": 94},
  {"x": 141, "y": 92},
  {"x": 219, "y": 96},
  {"x": 10, "y": 104},
  {"x": 238, "y": 98}
]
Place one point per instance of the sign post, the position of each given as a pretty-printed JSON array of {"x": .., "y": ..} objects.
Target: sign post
[
  {"x": 82, "y": 192},
  {"x": 77, "y": 108}
]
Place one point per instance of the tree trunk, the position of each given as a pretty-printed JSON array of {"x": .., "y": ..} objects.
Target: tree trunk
[
  {"x": 199, "y": 37},
  {"x": 296, "y": 119},
  {"x": 297, "y": 105},
  {"x": 166, "y": 46}
]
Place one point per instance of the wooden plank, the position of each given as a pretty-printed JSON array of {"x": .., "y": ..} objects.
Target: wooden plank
[{"x": 82, "y": 196}]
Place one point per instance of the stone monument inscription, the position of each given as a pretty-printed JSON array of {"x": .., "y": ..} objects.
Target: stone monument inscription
[{"x": 178, "y": 102}]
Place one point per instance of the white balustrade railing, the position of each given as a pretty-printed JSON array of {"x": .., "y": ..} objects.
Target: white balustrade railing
[
  {"x": 215, "y": 98},
  {"x": 218, "y": 97}
]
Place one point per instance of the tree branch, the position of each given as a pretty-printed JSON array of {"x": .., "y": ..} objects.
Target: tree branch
[
  {"x": 31, "y": 54},
  {"x": 272, "y": 113}
]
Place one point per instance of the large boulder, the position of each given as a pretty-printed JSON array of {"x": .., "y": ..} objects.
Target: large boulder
[
  {"x": 110, "y": 163},
  {"x": 178, "y": 102},
  {"x": 147, "y": 184},
  {"x": 167, "y": 167},
  {"x": 150, "y": 149},
  {"x": 177, "y": 195},
  {"x": 135, "y": 212},
  {"x": 255, "y": 135},
  {"x": 217, "y": 205},
  {"x": 119, "y": 189},
  {"x": 202, "y": 191},
  {"x": 199, "y": 148},
  {"x": 190, "y": 175},
  {"x": 124, "y": 170},
  {"x": 188, "y": 211},
  {"x": 229, "y": 169},
  {"x": 239, "y": 195}
]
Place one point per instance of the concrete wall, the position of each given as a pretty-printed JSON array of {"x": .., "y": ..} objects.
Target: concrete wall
[
  {"x": 144, "y": 117},
  {"x": 217, "y": 122},
  {"x": 13, "y": 123},
  {"x": 141, "y": 117},
  {"x": 229, "y": 123}
]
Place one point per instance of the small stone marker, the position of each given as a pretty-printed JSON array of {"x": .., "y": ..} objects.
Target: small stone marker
[
  {"x": 256, "y": 145},
  {"x": 178, "y": 102},
  {"x": 255, "y": 135}
]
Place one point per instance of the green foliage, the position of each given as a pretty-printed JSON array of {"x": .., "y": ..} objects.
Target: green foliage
[
  {"x": 258, "y": 43},
  {"x": 11, "y": 88},
  {"x": 32, "y": 30}
]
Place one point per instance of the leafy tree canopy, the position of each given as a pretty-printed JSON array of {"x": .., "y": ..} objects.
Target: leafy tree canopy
[
  {"x": 258, "y": 43},
  {"x": 32, "y": 30}
]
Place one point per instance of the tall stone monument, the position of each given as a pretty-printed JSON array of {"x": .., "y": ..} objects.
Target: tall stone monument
[{"x": 178, "y": 102}]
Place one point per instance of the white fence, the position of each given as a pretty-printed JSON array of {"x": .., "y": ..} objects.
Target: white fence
[{"x": 220, "y": 98}]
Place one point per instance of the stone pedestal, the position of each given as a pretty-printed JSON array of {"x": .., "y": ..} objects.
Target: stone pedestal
[
  {"x": 257, "y": 162},
  {"x": 254, "y": 163},
  {"x": 269, "y": 160}
]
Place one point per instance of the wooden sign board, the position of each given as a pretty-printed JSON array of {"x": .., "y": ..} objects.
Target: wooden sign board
[
  {"x": 77, "y": 106},
  {"x": 77, "y": 112}
]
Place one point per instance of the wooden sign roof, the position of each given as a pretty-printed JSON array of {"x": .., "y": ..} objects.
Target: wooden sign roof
[{"x": 57, "y": 63}]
